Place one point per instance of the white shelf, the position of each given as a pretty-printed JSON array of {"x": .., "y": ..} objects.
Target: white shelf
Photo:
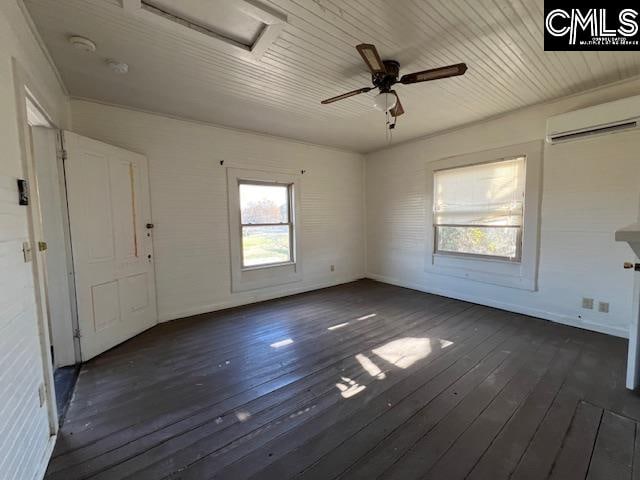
[{"x": 631, "y": 235}]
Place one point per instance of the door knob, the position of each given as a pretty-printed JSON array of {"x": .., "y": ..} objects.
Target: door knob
[
  {"x": 634, "y": 266},
  {"x": 149, "y": 225}
]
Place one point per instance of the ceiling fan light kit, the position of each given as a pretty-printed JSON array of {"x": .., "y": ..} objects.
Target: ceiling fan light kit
[
  {"x": 385, "y": 101},
  {"x": 386, "y": 73}
]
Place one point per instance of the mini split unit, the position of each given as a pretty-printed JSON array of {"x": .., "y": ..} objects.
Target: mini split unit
[{"x": 606, "y": 118}]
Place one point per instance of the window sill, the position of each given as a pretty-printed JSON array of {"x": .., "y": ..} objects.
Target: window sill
[
  {"x": 477, "y": 258},
  {"x": 492, "y": 271},
  {"x": 267, "y": 266}
]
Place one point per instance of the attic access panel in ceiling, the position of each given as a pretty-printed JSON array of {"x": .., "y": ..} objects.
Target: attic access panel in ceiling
[{"x": 240, "y": 27}]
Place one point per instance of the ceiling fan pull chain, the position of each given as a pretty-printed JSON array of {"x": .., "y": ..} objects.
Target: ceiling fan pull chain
[{"x": 387, "y": 130}]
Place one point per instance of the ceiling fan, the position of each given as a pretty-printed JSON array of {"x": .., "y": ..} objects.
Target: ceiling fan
[{"x": 384, "y": 75}]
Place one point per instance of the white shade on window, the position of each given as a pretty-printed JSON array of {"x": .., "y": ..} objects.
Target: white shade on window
[{"x": 486, "y": 194}]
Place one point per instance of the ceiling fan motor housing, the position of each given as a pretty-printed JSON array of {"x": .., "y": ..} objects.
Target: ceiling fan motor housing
[{"x": 384, "y": 81}]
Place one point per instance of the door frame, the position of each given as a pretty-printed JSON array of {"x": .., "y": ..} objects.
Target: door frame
[
  {"x": 633, "y": 350},
  {"x": 25, "y": 89},
  {"x": 48, "y": 157}
]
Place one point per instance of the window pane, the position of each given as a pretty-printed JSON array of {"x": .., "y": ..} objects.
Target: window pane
[
  {"x": 265, "y": 245},
  {"x": 264, "y": 203},
  {"x": 493, "y": 241}
]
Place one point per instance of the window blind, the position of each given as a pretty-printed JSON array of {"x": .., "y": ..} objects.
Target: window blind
[{"x": 487, "y": 194}]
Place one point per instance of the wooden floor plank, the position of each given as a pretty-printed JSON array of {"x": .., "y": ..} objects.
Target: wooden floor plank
[
  {"x": 329, "y": 436},
  {"x": 574, "y": 457},
  {"x": 261, "y": 355},
  {"x": 540, "y": 454},
  {"x": 469, "y": 447},
  {"x": 239, "y": 449},
  {"x": 635, "y": 470},
  {"x": 424, "y": 454},
  {"x": 424, "y": 324},
  {"x": 613, "y": 452},
  {"x": 206, "y": 395},
  {"x": 443, "y": 391},
  {"x": 380, "y": 381},
  {"x": 502, "y": 456}
]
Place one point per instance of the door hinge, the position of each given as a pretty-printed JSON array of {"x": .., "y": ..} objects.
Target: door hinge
[
  {"x": 62, "y": 154},
  {"x": 76, "y": 333},
  {"x": 42, "y": 246}
]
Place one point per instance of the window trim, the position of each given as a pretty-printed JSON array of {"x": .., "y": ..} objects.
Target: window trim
[
  {"x": 262, "y": 276},
  {"x": 521, "y": 275},
  {"x": 290, "y": 223}
]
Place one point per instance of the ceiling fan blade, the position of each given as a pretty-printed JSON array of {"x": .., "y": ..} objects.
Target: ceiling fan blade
[
  {"x": 370, "y": 55},
  {"x": 397, "y": 110},
  {"x": 346, "y": 95},
  {"x": 434, "y": 74}
]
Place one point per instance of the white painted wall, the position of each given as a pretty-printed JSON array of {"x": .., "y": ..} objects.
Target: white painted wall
[
  {"x": 590, "y": 189},
  {"x": 189, "y": 204},
  {"x": 24, "y": 429}
]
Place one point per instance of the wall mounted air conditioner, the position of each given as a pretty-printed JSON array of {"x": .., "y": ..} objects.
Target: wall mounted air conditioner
[{"x": 609, "y": 117}]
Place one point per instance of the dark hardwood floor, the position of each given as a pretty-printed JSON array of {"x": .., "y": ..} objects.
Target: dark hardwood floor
[{"x": 359, "y": 381}]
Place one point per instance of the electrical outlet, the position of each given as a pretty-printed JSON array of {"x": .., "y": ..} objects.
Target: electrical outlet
[
  {"x": 333, "y": 268},
  {"x": 587, "y": 303},
  {"x": 603, "y": 307}
]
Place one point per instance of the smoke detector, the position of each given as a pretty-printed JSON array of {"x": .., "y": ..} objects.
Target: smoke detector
[
  {"x": 118, "y": 67},
  {"x": 82, "y": 43}
]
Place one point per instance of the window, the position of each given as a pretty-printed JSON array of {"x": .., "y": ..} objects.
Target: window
[
  {"x": 485, "y": 215},
  {"x": 478, "y": 210},
  {"x": 264, "y": 228},
  {"x": 266, "y": 222}
]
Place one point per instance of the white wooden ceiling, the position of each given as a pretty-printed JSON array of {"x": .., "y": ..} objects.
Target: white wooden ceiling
[{"x": 314, "y": 58}]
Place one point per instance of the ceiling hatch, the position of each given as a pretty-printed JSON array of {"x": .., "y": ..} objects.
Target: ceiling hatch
[{"x": 241, "y": 27}]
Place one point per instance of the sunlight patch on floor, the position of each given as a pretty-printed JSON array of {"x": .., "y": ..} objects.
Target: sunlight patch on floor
[
  {"x": 371, "y": 368},
  {"x": 243, "y": 416},
  {"x": 282, "y": 343},
  {"x": 404, "y": 352},
  {"x": 349, "y": 388},
  {"x": 336, "y": 327}
]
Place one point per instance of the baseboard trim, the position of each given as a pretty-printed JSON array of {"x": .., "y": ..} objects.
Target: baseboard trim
[
  {"x": 247, "y": 298},
  {"x": 532, "y": 312}
]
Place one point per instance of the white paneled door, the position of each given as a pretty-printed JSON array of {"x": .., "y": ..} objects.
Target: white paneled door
[{"x": 111, "y": 235}]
